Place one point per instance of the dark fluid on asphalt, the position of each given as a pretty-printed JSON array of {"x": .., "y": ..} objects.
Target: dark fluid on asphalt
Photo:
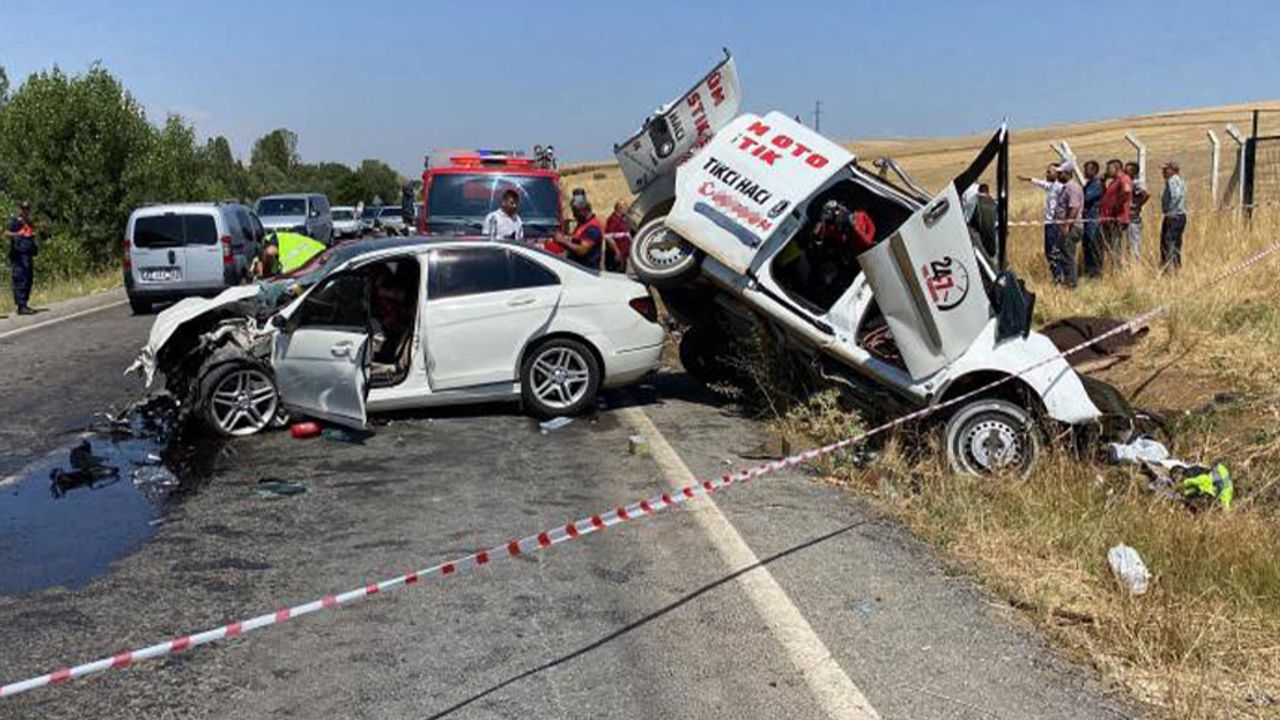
[{"x": 66, "y": 518}]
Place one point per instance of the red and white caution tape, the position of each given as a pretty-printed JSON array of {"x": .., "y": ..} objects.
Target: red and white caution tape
[{"x": 570, "y": 531}]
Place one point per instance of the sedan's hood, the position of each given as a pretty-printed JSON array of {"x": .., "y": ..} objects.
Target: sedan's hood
[
  {"x": 275, "y": 222},
  {"x": 168, "y": 322}
]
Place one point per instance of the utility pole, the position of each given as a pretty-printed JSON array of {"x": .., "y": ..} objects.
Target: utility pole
[{"x": 817, "y": 116}]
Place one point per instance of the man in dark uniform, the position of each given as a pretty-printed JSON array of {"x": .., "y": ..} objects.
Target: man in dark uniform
[{"x": 21, "y": 234}]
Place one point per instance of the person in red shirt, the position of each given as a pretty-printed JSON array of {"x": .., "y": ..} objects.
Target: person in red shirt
[
  {"x": 617, "y": 239},
  {"x": 1117, "y": 204}
]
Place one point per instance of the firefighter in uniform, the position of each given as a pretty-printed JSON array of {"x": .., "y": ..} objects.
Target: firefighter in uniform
[{"x": 21, "y": 234}]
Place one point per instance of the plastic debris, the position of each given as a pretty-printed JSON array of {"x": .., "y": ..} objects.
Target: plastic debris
[
  {"x": 274, "y": 488},
  {"x": 341, "y": 435},
  {"x": 556, "y": 423},
  {"x": 638, "y": 445},
  {"x": 303, "y": 430},
  {"x": 1138, "y": 451},
  {"x": 1130, "y": 571},
  {"x": 1200, "y": 482},
  {"x": 154, "y": 476}
]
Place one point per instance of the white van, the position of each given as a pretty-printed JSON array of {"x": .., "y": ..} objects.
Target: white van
[{"x": 176, "y": 251}]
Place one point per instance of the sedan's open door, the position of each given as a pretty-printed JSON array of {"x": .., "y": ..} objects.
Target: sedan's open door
[
  {"x": 926, "y": 277},
  {"x": 321, "y": 354}
]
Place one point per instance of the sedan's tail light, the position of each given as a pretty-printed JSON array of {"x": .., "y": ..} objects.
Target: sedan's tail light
[
  {"x": 227, "y": 259},
  {"x": 126, "y": 261},
  {"x": 644, "y": 306}
]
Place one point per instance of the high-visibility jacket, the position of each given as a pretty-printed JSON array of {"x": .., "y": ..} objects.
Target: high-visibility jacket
[
  {"x": 1214, "y": 482},
  {"x": 296, "y": 250}
]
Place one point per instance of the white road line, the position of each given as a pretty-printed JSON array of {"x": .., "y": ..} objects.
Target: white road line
[
  {"x": 834, "y": 691},
  {"x": 55, "y": 321}
]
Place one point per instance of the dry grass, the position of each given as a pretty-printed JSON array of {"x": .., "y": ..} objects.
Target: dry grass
[
  {"x": 1205, "y": 642},
  {"x": 48, "y": 290}
]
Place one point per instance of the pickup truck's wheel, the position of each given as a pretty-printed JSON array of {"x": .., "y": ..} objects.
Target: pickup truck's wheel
[
  {"x": 559, "y": 377},
  {"x": 140, "y": 307},
  {"x": 661, "y": 257},
  {"x": 238, "y": 398},
  {"x": 700, "y": 355},
  {"x": 988, "y": 437}
]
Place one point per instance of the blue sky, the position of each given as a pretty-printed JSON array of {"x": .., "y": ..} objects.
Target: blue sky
[{"x": 396, "y": 80}]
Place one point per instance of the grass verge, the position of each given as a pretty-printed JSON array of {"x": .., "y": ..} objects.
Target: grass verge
[
  {"x": 51, "y": 290},
  {"x": 1205, "y": 641}
]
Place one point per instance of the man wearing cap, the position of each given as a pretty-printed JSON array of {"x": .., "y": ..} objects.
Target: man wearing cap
[
  {"x": 1067, "y": 214},
  {"x": 1173, "y": 204},
  {"x": 21, "y": 234}
]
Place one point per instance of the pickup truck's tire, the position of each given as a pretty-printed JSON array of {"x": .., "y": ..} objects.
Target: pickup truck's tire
[
  {"x": 139, "y": 306},
  {"x": 238, "y": 397},
  {"x": 559, "y": 377},
  {"x": 991, "y": 437},
  {"x": 662, "y": 258},
  {"x": 701, "y": 356}
]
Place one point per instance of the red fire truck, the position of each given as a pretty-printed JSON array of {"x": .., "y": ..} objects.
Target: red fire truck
[{"x": 461, "y": 187}]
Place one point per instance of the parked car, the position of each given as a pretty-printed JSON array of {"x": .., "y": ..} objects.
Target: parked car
[
  {"x": 912, "y": 316},
  {"x": 399, "y": 323},
  {"x": 304, "y": 213},
  {"x": 369, "y": 217},
  {"x": 176, "y": 251},
  {"x": 391, "y": 220},
  {"x": 345, "y": 223}
]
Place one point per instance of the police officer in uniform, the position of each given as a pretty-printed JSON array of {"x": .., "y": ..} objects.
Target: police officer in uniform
[{"x": 21, "y": 234}]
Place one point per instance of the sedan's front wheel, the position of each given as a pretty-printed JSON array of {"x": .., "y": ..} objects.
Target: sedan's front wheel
[
  {"x": 239, "y": 398},
  {"x": 559, "y": 377}
]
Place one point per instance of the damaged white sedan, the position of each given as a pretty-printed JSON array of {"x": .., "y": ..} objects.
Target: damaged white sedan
[
  {"x": 757, "y": 227},
  {"x": 391, "y": 324}
]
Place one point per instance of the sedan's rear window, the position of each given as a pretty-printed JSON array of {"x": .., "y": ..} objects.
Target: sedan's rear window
[{"x": 174, "y": 230}]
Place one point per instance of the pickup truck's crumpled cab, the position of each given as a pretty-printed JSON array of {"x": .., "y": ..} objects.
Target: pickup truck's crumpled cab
[{"x": 917, "y": 316}]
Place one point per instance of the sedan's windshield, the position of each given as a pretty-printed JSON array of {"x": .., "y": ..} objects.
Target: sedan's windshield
[
  {"x": 459, "y": 203},
  {"x": 369, "y": 213},
  {"x": 344, "y": 215},
  {"x": 279, "y": 207},
  {"x": 390, "y": 212}
]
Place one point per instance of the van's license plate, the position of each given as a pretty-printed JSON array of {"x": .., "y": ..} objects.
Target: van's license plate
[{"x": 160, "y": 274}]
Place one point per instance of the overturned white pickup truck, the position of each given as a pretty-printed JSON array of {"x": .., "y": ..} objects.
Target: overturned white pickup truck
[{"x": 913, "y": 315}]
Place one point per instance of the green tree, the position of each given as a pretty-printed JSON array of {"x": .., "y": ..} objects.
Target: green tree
[
  {"x": 277, "y": 149},
  {"x": 379, "y": 180},
  {"x": 226, "y": 173},
  {"x": 171, "y": 168},
  {"x": 66, "y": 143}
]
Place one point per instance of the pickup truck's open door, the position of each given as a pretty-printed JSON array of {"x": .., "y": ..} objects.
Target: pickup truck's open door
[
  {"x": 926, "y": 277},
  {"x": 676, "y": 130}
]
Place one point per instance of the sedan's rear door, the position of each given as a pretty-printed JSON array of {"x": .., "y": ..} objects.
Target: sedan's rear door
[
  {"x": 321, "y": 355},
  {"x": 485, "y": 303}
]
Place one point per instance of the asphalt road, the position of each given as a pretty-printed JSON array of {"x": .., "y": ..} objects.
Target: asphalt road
[{"x": 783, "y": 598}]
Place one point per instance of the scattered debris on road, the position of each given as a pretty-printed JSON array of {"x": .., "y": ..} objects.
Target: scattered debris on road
[
  {"x": 275, "y": 488},
  {"x": 304, "y": 430},
  {"x": 555, "y": 423}
]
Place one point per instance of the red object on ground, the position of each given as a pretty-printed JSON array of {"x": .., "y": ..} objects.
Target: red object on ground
[{"x": 304, "y": 430}]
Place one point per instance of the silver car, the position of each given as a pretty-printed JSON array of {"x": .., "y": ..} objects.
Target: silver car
[
  {"x": 304, "y": 213},
  {"x": 176, "y": 251},
  {"x": 346, "y": 224}
]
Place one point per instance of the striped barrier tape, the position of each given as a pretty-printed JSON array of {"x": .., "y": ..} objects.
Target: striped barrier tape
[{"x": 570, "y": 531}]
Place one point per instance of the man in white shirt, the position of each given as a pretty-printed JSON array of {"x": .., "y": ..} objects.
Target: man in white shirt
[
  {"x": 1051, "y": 188},
  {"x": 505, "y": 223}
]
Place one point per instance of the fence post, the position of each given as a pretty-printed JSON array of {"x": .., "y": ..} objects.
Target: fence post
[
  {"x": 1064, "y": 154},
  {"x": 1238, "y": 136},
  {"x": 1215, "y": 156},
  {"x": 1142, "y": 155}
]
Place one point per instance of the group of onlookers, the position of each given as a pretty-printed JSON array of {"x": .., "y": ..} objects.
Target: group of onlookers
[
  {"x": 1103, "y": 217},
  {"x": 591, "y": 243}
]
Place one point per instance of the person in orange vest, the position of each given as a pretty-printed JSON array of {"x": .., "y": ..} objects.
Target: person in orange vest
[
  {"x": 586, "y": 242},
  {"x": 21, "y": 234}
]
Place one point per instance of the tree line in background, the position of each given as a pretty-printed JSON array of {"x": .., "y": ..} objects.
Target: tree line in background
[{"x": 81, "y": 150}]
